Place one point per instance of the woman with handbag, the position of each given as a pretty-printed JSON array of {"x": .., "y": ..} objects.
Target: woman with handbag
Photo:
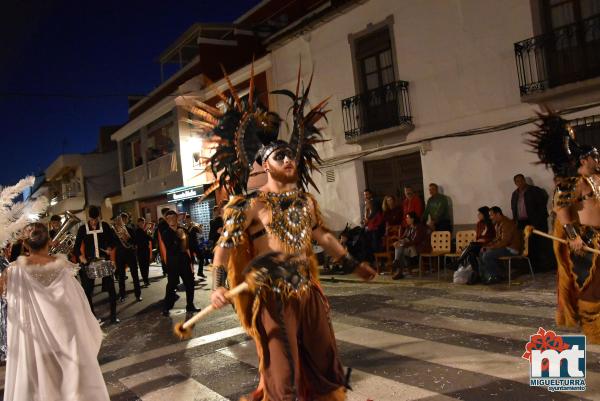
[{"x": 484, "y": 233}]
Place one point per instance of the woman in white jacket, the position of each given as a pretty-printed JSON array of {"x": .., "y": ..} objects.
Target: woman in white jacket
[{"x": 53, "y": 337}]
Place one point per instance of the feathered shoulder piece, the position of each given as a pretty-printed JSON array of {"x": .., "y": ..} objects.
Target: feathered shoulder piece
[{"x": 554, "y": 145}]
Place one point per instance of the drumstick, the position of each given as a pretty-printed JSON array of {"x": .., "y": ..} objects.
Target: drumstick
[{"x": 183, "y": 330}]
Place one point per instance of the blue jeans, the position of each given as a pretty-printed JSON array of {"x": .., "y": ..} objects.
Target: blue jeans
[{"x": 489, "y": 264}]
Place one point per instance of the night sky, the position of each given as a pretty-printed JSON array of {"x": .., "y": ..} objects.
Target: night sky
[{"x": 66, "y": 68}]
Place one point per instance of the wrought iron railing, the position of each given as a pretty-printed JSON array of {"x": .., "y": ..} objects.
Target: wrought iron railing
[
  {"x": 568, "y": 54},
  {"x": 377, "y": 109}
]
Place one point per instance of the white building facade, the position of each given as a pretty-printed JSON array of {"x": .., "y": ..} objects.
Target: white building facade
[{"x": 432, "y": 91}]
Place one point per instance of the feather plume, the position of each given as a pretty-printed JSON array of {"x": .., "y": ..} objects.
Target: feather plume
[
  {"x": 14, "y": 216},
  {"x": 551, "y": 143}
]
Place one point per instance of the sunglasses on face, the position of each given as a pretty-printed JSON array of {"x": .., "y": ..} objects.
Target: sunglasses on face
[{"x": 280, "y": 155}]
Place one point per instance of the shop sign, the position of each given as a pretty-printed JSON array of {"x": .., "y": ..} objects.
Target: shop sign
[{"x": 187, "y": 193}]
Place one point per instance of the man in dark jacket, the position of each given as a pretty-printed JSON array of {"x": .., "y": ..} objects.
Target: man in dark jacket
[
  {"x": 143, "y": 244},
  {"x": 215, "y": 229},
  {"x": 529, "y": 205},
  {"x": 179, "y": 264}
]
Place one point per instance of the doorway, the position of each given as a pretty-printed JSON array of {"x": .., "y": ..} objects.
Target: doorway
[{"x": 390, "y": 176}]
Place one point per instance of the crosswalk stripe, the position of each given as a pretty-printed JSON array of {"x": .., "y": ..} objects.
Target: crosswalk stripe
[
  {"x": 365, "y": 385},
  {"x": 457, "y": 357},
  {"x": 519, "y": 310},
  {"x": 184, "y": 389},
  {"x": 471, "y": 326},
  {"x": 170, "y": 349}
]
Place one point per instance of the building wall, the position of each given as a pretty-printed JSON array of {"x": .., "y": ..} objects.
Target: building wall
[
  {"x": 100, "y": 176},
  {"x": 459, "y": 61}
]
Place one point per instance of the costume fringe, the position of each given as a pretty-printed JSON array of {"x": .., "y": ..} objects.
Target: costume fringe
[
  {"x": 336, "y": 395},
  {"x": 590, "y": 320},
  {"x": 566, "y": 288}
]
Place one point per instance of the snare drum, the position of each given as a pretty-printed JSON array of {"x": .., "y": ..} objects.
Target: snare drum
[{"x": 99, "y": 269}]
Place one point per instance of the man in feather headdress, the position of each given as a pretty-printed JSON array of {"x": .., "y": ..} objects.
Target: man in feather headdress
[
  {"x": 577, "y": 207},
  {"x": 286, "y": 311}
]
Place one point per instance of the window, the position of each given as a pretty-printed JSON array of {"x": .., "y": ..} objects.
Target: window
[
  {"x": 587, "y": 130},
  {"x": 559, "y": 13},
  {"x": 374, "y": 57},
  {"x": 378, "y": 102},
  {"x": 572, "y": 40},
  {"x": 132, "y": 152}
]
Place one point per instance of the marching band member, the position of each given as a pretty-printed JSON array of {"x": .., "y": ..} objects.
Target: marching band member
[{"x": 96, "y": 240}]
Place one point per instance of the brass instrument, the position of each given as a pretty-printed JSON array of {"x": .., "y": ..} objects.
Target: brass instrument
[
  {"x": 149, "y": 228},
  {"x": 122, "y": 233},
  {"x": 64, "y": 240}
]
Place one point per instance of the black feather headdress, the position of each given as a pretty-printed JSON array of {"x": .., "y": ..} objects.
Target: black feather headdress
[
  {"x": 555, "y": 145},
  {"x": 305, "y": 133},
  {"x": 247, "y": 132}
]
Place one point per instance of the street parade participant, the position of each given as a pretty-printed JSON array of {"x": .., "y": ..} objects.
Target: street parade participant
[
  {"x": 94, "y": 243},
  {"x": 14, "y": 216},
  {"x": 197, "y": 253},
  {"x": 125, "y": 255},
  {"x": 53, "y": 337},
  {"x": 179, "y": 263},
  {"x": 577, "y": 207},
  {"x": 55, "y": 223},
  {"x": 285, "y": 311},
  {"x": 143, "y": 245}
]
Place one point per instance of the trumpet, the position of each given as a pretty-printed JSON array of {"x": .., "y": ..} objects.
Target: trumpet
[{"x": 64, "y": 240}]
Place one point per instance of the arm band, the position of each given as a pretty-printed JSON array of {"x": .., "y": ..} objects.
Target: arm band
[
  {"x": 219, "y": 276},
  {"x": 570, "y": 231},
  {"x": 349, "y": 264}
]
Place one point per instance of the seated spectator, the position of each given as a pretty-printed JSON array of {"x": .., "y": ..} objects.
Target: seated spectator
[
  {"x": 508, "y": 242},
  {"x": 437, "y": 210},
  {"x": 374, "y": 230},
  {"x": 411, "y": 203},
  {"x": 485, "y": 232},
  {"x": 415, "y": 240},
  {"x": 392, "y": 213}
]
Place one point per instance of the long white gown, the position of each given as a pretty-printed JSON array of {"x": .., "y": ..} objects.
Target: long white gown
[{"x": 53, "y": 337}]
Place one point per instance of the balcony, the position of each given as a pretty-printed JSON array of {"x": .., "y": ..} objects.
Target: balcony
[
  {"x": 134, "y": 175},
  {"x": 566, "y": 55},
  {"x": 159, "y": 167},
  {"x": 163, "y": 165},
  {"x": 67, "y": 196},
  {"x": 376, "y": 110}
]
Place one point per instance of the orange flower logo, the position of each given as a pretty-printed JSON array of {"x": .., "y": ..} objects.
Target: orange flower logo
[{"x": 544, "y": 340}]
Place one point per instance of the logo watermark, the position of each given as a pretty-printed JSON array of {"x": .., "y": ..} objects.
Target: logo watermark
[{"x": 556, "y": 362}]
